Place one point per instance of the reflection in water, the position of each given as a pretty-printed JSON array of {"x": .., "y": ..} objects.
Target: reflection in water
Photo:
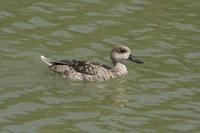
[
  {"x": 160, "y": 96},
  {"x": 121, "y": 98}
]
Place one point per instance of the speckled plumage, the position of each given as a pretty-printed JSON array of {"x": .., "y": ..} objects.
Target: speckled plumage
[{"x": 91, "y": 71}]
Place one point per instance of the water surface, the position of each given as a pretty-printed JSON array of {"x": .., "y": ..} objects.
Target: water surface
[{"x": 160, "y": 96}]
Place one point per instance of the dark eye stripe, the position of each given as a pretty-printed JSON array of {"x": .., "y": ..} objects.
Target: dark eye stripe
[
  {"x": 120, "y": 50},
  {"x": 123, "y": 50}
]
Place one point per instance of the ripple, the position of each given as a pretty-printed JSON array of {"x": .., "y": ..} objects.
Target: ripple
[
  {"x": 176, "y": 113},
  {"x": 9, "y": 50},
  {"x": 116, "y": 40},
  {"x": 173, "y": 61},
  {"x": 64, "y": 9},
  {"x": 165, "y": 45},
  {"x": 106, "y": 22},
  {"x": 7, "y": 30},
  {"x": 5, "y": 14},
  {"x": 40, "y": 22},
  {"x": 122, "y": 8},
  {"x": 98, "y": 14},
  {"x": 81, "y": 52},
  {"x": 61, "y": 7},
  {"x": 9, "y": 42},
  {"x": 187, "y": 27},
  {"x": 135, "y": 121},
  {"x": 149, "y": 99},
  {"x": 57, "y": 100},
  {"x": 188, "y": 106},
  {"x": 195, "y": 37},
  {"x": 66, "y": 17},
  {"x": 45, "y": 4},
  {"x": 91, "y": 127},
  {"x": 93, "y": 1},
  {"x": 32, "y": 126},
  {"x": 19, "y": 109},
  {"x": 82, "y": 28},
  {"x": 183, "y": 127},
  {"x": 142, "y": 30},
  {"x": 79, "y": 115},
  {"x": 39, "y": 9},
  {"x": 37, "y": 37},
  {"x": 62, "y": 34},
  {"x": 193, "y": 55},
  {"x": 54, "y": 43},
  {"x": 23, "y": 25},
  {"x": 15, "y": 94}
]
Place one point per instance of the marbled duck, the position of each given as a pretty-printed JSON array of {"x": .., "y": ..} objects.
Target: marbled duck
[{"x": 91, "y": 71}]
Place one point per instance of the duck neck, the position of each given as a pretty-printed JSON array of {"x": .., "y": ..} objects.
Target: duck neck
[{"x": 120, "y": 68}]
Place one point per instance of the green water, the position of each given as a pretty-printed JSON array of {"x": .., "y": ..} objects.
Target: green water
[{"x": 161, "y": 96}]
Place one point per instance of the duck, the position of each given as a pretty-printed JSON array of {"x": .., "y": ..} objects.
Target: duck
[{"x": 94, "y": 71}]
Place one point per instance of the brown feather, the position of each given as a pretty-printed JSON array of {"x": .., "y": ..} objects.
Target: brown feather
[{"x": 86, "y": 67}]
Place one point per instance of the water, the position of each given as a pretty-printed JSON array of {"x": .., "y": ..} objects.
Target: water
[{"x": 160, "y": 96}]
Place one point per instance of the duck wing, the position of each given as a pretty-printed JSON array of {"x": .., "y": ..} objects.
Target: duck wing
[{"x": 86, "y": 67}]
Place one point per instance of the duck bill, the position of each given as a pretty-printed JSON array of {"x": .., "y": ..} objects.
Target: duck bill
[{"x": 134, "y": 59}]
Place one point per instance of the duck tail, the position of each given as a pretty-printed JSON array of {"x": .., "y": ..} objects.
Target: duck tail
[{"x": 46, "y": 60}]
